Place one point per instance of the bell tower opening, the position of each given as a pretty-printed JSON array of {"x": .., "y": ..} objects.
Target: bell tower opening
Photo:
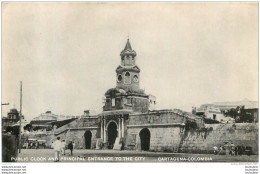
[{"x": 127, "y": 78}]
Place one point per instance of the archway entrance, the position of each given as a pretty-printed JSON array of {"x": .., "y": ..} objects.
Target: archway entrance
[
  {"x": 145, "y": 139},
  {"x": 112, "y": 134},
  {"x": 88, "y": 136}
]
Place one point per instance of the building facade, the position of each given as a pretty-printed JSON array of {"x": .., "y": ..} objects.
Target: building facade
[
  {"x": 129, "y": 119},
  {"x": 11, "y": 119}
]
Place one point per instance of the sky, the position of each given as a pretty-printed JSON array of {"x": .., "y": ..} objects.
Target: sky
[{"x": 66, "y": 53}]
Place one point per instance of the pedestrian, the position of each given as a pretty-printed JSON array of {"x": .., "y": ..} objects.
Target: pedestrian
[
  {"x": 74, "y": 144},
  {"x": 70, "y": 146},
  {"x": 63, "y": 146},
  {"x": 240, "y": 150},
  {"x": 232, "y": 149},
  {"x": 36, "y": 144},
  {"x": 236, "y": 150},
  {"x": 220, "y": 150},
  {"x": 57, "y": 148},
  {"x": 30, "y": 145},
  {"x": 215, "y": 150}
]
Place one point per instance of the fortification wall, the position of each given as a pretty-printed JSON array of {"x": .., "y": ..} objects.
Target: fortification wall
[
  {"x": 165, "y": 128},
  {"x": 203, "y": 140},
  {"x": 75, "y": 131},
  {"x": 156, "y": 118},
  {"x": 164, "y": 139},
  {"x": 80, "y": 123}
]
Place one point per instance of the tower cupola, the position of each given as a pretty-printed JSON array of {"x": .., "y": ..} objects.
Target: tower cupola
[
  {"x": 128, "y": 71},
  {"x": 128, "y": 55},
  {"x": 127, "y": 93}
]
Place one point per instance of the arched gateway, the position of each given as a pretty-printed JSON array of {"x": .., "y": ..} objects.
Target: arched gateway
[
  {"x": 112, "y": 134},
  {"x": 145, "y": 139},
  {"x": 88, "y": 136}
]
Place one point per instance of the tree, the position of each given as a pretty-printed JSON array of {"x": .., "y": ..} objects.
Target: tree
[
  {"x": 13, "y": 130},
  {"x": 27, "y": 127}
]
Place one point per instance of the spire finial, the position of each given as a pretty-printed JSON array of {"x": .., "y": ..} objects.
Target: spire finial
[
  {"x": 128, "y": 45},
  {"x": 128, "y": 49}
]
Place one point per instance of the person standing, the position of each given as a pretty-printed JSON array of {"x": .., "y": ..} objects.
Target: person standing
[
  {"x": 220, "y": 150},
  {"x": 70, "y": 146},
  {"x": 215, "y": 150},
  {"x": 236, "y": 150},
  {"x": 232, "y": 149},
  {"x": 74, "y": 144},
  {"x": 30, "y": 145},
  {"x": 36, "y": 144},
  {"x": 63, "y": 146},
  {"x": 57, "y": 148}
]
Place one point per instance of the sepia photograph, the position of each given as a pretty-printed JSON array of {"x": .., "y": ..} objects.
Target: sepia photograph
[{"x": 129, "y": 82}]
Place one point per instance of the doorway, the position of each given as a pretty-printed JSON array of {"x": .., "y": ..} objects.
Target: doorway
[
  {"x": 112, "y": 134},
  {"x": 214, "y": 116},
  {"x": 88, "y": 136},
  {"x": 145, "y": 139}
]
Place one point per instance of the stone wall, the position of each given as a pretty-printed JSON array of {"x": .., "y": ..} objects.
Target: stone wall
[
  {"x": 164, "y": 139},
  {"x": 166, "y": 130},
  {"x": 203, "y": 140},
  {"x": 155, "y": 118},
  {"x": 91, "y": 121},
  {"x": 75, "y": 130},
  {"x": 170, "y": 132},
  {"x": 77, "y": 136},
  {"x": 140, "y": 104}
]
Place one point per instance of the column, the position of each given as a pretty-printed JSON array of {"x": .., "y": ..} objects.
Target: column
[
  {"x": 119, "y": 127},
  {"x": 123, "y": 127},
  {"x": 105, "y": 131},
  {"x": 102, "y": 128}
]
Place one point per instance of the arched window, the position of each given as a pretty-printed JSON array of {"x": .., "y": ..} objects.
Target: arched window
[
  {"x": 119, "y": 78},
  {"x": 135, "y": 78},
  {"x": 127, "y": 78}
]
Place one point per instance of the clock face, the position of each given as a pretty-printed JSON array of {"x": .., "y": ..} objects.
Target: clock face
[
  {"x": 119, "y": 78},
  {"x": 135, "y": 78}
]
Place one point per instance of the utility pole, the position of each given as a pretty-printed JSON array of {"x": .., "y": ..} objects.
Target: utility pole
[{"x": 20, "y": 127}]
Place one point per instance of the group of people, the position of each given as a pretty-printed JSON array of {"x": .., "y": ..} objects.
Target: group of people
[
  {"x": 228, "y": 150},
  {"x": 60, "y": 147},
  {"x": 32, "y": 145}
]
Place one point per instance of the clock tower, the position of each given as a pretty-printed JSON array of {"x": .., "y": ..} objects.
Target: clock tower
[
  {"x": 127, "y": 74},
  {"x": 127, "y": 95}
]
